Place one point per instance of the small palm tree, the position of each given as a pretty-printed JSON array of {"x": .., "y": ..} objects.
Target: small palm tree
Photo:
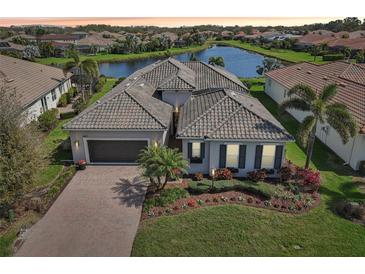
[
  {"x": 161, "y": 164},
  {"x": 88, "y": 66},
  {"x": 216, "y": 61},
  {"x": 322, "y": 110}
]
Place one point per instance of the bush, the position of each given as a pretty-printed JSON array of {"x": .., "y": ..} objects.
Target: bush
[
  {"x": 99, "y": 86},
  {"x": 362, "y": 168},
  {"x": 257, "y": 175},
  {"x": 167, "y": 196},
  {"x": 222, "y": 174},
  {"x": 287, "y": 172},
  {"x": 62, "y": 102},
  {"x": 333, "y": 57},
  {"x": 67, "y": 115},
  {"x": 351, "y": 210},
  {"x": 198, "y": 176},
  {"x": 48, "y": 119},
  {"x": 79, "y": 105},
  {"x": 308, "y": 178},
  {"x": 71, "y": 94},
  {"x": 118, "y": 81}
]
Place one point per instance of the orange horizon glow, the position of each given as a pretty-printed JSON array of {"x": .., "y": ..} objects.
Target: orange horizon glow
[{"x": 165, "y": 21}]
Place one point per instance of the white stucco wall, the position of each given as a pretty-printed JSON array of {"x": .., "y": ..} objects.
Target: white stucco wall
[
  {"x": 35, "y": 109},
  {"x": 353, "y": 152},
  {"x": 175, "y": 98},
  {"x": 212, "y": 150},
  {"x": 79, "y": 153}
]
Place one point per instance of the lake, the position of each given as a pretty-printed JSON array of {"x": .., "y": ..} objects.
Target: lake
[{"x": 238, "y": 61}]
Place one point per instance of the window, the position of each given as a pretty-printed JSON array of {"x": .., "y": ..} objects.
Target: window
[
  {"x": 44, "y": 104},
  {"x": 232, "y": 156},
  {"x": 195, "y": 152},
  {"x": 54, "y": 96},
  {"x": 268, "y": 156}
]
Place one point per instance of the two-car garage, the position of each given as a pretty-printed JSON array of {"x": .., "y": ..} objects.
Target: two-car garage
[{"x": 114, "y": 151}]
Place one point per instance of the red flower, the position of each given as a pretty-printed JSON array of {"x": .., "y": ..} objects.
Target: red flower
[{"x": 81, "y": 162}]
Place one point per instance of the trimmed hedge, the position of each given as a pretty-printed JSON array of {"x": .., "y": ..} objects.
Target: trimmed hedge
[
  {"x": 48, "y": 119},
  {"x": 67, "y": 115},
  {"x": 167, "y": 196},
  {"x": 257, "y": 188},
  {"x": 333, "y": 57}
]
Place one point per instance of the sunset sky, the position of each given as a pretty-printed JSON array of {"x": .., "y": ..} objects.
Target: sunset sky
[{"x": 166, "y": 21}]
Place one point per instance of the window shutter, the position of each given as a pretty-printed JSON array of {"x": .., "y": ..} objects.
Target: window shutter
[
  {"x": 202, "y": 150},
  {"x": 278, "y": 156},
  {"x": 222, "y": 156},
  {"x": 242, "y": 157},
  {"x": 258, "y": 157},
  {"x": 190, "y": 149}
]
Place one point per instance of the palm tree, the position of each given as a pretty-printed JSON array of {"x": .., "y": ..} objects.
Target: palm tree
[
  {"x": 315, "y": 50},
  {"x": 88, "y": 66},
  {"x": 161, "y": 164},
  {"x": 268, "y": 64},
  {"x": 322, "y": 110},
  {"x": 216, "y": 61}
]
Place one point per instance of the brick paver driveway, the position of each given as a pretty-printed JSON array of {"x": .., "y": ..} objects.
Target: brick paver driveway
[{"x": 96, "y": 215}]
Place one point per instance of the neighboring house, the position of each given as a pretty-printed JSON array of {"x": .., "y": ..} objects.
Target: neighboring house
[
  {"x": 10, "y": 47},
  {"x": 205, "y": 109},
  {"x": 39, "y": 87},
  {"x": 350, "y": 79}
]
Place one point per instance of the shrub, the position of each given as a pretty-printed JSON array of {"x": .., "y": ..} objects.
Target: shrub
[
  {"x": 191, "y": 203},
  {"x": 198, "y": 176},
  {"x": 79, "y": 105},
  {"x": 250, "y": 200},
  {"x": 99, "y": 86},
  {"x": 362, "y": 168},
  {"x": 67, "y": 115},
  {"x": 62, "y": 102},
  {"x": 257, "y": 175},
  {"x": 48, "y": 119},
  {"x": 167, "y": 196},
  {"x": 287, "y": 172},
  {"x": 222, "y": 174},
  {"x": 333, "y": 57},
  {"x": 71, "y": 94},
  {"x": 308, "y": 178}
]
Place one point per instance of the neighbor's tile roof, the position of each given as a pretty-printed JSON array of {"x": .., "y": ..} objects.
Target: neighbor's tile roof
[
  {"x": 226, "y": 114},
  {"x": 30, "y": 80},
  {"x": 350, "y": 80},
  {"x": 128, "y": 106}
]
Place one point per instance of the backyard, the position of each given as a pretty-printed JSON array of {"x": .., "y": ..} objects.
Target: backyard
[{"x": 236, "y": 230}]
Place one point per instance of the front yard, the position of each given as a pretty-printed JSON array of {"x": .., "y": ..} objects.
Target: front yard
[{"x": 236, "y": 230}]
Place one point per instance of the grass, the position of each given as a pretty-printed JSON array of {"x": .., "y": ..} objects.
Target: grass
[
  {"x": 235, "y": 230},
  {"x": 106, "y": 88},
  {"x": 103, "y": 57},
  {"x": 282, "y": 54}
]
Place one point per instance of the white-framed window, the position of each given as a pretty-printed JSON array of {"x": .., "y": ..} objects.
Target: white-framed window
[
  {"x": 268, "y": 156},
  {"x": 233, "y": 151},
  {"x": 54, "y": 96},
  {"x": 195, "y": 150}
]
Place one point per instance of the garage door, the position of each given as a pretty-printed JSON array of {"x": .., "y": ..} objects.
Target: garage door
[{"x": 115, "y": 151}]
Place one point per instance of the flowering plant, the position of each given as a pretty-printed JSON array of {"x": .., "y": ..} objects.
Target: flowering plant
[{"x": 81, "y": 164}]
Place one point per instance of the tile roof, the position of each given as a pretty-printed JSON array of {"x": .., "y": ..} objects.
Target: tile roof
[
  {"x": 350, "y": 80},
  {"x": 128, "y": 106},
  {"x": 132, "y": 105},
  {"x": 31, "y": 80},
  {"x": 226, "y": 114}
]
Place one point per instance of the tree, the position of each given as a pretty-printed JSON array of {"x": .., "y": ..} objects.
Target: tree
[
  {"x": 315, "y": 50},
  {"x": 216, "y": 61},
  {"x": 347, "y": 52},
  {"x": 193, "y": 57},
  {"x": 30, "y": 53},
  {"x": 322, "y": 111},
  {"x": 21, "y": 153},
  {"x": 161, "y": 164},
  {"x": 86, "y": 67},
  {"x": 268, "y": 64},
  {"x": 360, "y": 58}
]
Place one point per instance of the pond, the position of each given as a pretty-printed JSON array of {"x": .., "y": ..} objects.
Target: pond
[{"x": 238, "y": 61}]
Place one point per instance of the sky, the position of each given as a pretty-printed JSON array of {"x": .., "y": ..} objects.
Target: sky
[{"x": 166, "y": 21}]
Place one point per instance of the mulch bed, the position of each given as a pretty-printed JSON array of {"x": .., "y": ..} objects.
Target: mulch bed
[{"x": 224, "y": 198}]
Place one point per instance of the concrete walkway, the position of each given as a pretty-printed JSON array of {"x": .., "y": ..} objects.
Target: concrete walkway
[{"x": 96, "y": 215}]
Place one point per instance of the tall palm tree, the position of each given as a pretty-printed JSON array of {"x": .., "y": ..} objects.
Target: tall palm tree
[
  {"x": 161, "y": 164},
  {"x": 322, "y": 110},
  {"x": 87, "y": 66},
  {"x": 216, "y": 61}
]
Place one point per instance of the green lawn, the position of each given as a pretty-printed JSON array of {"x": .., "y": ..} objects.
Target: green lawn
[
  {"x": 282, "y": 54},
  {"x": 102, "y": 58},
  {"x": 235, "y": 230}
]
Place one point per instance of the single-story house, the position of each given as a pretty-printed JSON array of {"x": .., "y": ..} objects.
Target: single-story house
[
  {"x": 39, "y": 87},
  {"x": 350, "y": 80},
  {"x": 205, "y": 109}
]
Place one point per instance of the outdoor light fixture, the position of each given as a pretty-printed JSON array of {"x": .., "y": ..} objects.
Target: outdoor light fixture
[
  {"x": 77, "y": 144},
  {"x": 155, "y": 143},
  {"x": 176, "y": 109}
]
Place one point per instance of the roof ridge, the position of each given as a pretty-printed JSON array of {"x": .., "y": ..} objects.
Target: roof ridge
[
  {"x": 145, "y": 109},
  {"x": 203, "y": 114}
]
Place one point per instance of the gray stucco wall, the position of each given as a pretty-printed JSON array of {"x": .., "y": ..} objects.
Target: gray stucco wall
[
  {"x": 79, "y": 153},
  {"x": 175, "y": 98},
  {"x": 211, "y": 160},
  {"x": 353, "y": 152}
]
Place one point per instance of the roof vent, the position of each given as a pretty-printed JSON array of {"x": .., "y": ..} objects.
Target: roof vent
[
  {"x": 325, "y": 78},
  {"x": 9, "y": 80},
  {"x": 342, "y": 84},
  {"x": 299, "y": 68},
  {"x": 135, "y": 78},
  {"x": 98, "y": 102},
  {"x": 127, "y": 84},
  {"x": 309, "y": 72},
  {"x": 233, "y": 93},
  {"x": 141, "y": 85}
]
